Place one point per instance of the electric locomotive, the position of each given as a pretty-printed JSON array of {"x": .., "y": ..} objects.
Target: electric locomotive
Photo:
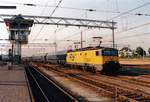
[{"x": 97, "y": 59}]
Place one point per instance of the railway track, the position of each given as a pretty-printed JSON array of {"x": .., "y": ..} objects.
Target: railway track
[
  {"x": 141, "y": 79},
  {"x": 146, "y": 66},
  {"x": 119, "y": 92},
  {"x": 146, "y": 77},
  {"x": 45, "y": 90},
  {"x": 138, "y": 80}
]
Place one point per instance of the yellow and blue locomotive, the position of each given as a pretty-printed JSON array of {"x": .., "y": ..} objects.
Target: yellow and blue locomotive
[{"x": 97, "y": 59}]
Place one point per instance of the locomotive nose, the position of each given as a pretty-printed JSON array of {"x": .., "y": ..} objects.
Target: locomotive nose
[{"x": 111, "y": 67}]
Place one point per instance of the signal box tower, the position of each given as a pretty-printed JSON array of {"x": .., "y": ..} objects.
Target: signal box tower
[{"x": 19, "y": 29}]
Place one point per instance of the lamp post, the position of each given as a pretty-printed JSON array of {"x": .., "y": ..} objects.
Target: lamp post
[
  {"x": 128, "y": 50},
  {"x": 1, "y": 52},
  {"x": 143, "y": 50}
]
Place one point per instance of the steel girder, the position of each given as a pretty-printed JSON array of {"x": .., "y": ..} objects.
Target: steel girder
[{"x": 46, "y": 20}]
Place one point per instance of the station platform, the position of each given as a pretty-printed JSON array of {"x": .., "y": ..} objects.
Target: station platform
[{"x": 13, "y": 84}]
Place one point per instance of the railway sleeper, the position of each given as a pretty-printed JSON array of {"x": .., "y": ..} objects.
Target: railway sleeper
[
  {"x": 121, "y": 98},
  {"x": 134, "y": 95},
  {"x": 131, "y": 96},
  {"x": 143, "y": 99},
  {"x": 127, "y": 99},
  {"x": 128, "y": 94},
  {"x": 137, "y": 97}
]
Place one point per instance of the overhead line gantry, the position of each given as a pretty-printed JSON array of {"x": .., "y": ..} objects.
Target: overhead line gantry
[
  {"x": 67, "y": 21},
  {"x": 63, "y": 21}
]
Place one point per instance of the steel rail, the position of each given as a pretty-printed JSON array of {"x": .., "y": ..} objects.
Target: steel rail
[
  {"x": 38, "y": 85},
  {"x": 29, "y": 89},
  {"x": 57, "y": 86},
  {"x": 127, "y": 95}
]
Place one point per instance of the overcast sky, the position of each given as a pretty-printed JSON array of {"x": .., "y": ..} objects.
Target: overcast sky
[{"x": 131, "y": 29}]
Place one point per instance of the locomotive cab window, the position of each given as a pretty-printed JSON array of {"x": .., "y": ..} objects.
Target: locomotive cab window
[
  {"x": 98, "y": 53},
  {"x": 110, "y": 52}
]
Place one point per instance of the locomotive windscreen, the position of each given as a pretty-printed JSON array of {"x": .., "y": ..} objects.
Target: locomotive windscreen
[{"x": 110, "y": 52}]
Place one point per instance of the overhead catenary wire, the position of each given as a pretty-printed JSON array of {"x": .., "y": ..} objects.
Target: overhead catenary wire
[
  {"x": 55, "y": 8},
  {"x": 62, "y": 7},
  {"x": 50, "y": 16},
  {"x": 128, "y": 11},
  {"x": 139, "y": 14},
  {"x": 73, "y": 8},
  {"x": 75, "y": 34},
  {"x": 117, "y": 5},
  {"x": 132, "y": 28},
  {"x": 40, "y": 14},
  {"x": 134, "y": 35},
  {"x": 135, "y": 27}
]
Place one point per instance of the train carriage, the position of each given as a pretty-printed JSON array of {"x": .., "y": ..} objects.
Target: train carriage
[
  {"x": 51, "y": 58},
  {"x": 56, "y": 58},
  {"x": 39, "y": 57}
]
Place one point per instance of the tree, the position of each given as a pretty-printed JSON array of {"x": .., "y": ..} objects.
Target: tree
[
  {"x": 140, "y": 51},
  {"x": 134, "y": 54},
  {"x": 149, "y": 50}
]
